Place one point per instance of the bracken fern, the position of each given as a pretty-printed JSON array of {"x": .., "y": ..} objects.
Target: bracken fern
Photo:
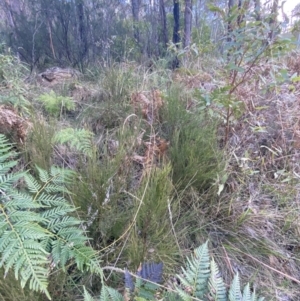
[
  {"x": 37, "y": 229},
  {"x": 78, "y": 139}
]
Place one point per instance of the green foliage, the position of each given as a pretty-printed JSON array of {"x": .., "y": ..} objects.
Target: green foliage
[
  {"x": 12, "y": 86},
  {"x": 201, "y": 280},
  {"x": 10, "y": 289},
  {"x": 39, "y": 145},
  {"x": 87, "y": 296},
  {"x": 152, "y": 239},
  {"x": 236, "y": 295},
  {"x": 196, "y": 160},
  {"x": 217, "y": 287},
  {"x": 56, "y": 104},
  {"x": 196, "y": 274},
  {"x": 110, "y": 106},
  {"x": 110, "y": 294},
  {"x": 78, "y": 139},
  {"x": 37, "y": 229}
]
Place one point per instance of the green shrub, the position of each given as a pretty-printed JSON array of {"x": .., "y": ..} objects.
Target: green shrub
[{"x": 200, "y": 280}]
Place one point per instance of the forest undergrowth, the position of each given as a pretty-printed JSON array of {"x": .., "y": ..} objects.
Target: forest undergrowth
[{"x": 164, "y": 161}]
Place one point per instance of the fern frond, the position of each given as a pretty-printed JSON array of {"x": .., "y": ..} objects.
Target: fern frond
[
  {"x": 247, "y": 293},
  {"x": 87, "y": 296},
  {"x": 37, "y": 225},
  {"x": 5, "y": 149},
  {"x": 184, "y": 295},
  {"x": 171, "y": 296},
  {"x": 54, "y": 103},
  {"x": 32, "y": 184},
  {"x": 197, "y": 273},
  {"x": 110, "y": 294},
  {"x": 6, "y": 164},
  {"x": 151, "y": 271},
  {"x": 78, "y": 139},
  {"x": 235, "y": 289},
  {"x": 20, "y": 249},
  {"x": 69, "y": 241},
  {"x": 217, "y": 287}
]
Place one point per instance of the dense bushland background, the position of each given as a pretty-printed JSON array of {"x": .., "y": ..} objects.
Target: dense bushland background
[{"x": 176, "y": 122}]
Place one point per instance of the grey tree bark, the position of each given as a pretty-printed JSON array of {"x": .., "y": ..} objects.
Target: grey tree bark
[
  {"x": 135, "y": 5},
  {"x": 188, "y": 23},
  {"x": 163, "y": 21}
]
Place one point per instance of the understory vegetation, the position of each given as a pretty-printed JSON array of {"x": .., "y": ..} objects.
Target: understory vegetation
[
  {"x": 174, "y": 177},
  {"x": 150, "y": 179}
]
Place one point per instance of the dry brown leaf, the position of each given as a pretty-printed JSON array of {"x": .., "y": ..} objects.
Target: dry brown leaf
[
  {"x": 11, "y": 123},
  {"x": 147, "y": 105},
  {"x": 157, "y": 99}
]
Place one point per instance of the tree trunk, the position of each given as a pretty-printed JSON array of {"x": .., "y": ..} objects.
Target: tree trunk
[
  {"x": 176, "y": 32},
  {"x": 187, "y": 23},
  {"x": 82, "y": 45},
  {"x": 176, "y": 29},
  {"x": 163, "y": 20},
  {"x": 135, "y": 5}
]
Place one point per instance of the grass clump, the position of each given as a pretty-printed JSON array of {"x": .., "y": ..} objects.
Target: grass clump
[
  {"x": 39, "y": 146},
  {"x": 152, "y": 237},
  {"x": 194, "y": 153}
]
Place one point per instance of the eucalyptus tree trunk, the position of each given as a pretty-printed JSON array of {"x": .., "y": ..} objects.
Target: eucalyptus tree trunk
[
  {"x": 187, "y": 23},
  {"x": 176, "y": 29},
  {"x": 10, "y": 12},
  {"x": 135, "y": 5},
  {"x": 163, "y": 21},
  {"x": 82, "y": 32}
]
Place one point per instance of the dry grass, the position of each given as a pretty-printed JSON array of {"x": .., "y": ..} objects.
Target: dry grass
[
  {"x": 250, "y": 211},
  {"x": 264, "y": 187}
]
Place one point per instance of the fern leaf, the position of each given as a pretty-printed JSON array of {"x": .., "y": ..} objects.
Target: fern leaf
[
  {"x": 54, "y": 103},
  {"x": 184, "y": 295},
  {"x": 197, "y": 273},
  {"x": 7, "y": 181},
  {"x": 43, "y": 175},
  {"x": 216, "y": 284},
  {"x": 235, "y": 289},
  {"x": 151, "y": 271},
  {"x": 110, "y": 294},
  {"x": 32, "y": 184},
  {"x": 171, "y": 296},
  {"x": 78, "y": 139},
  {"x": 35, "y": 225},
  {"x": 20, "y": 250},
  {"x": 87, "y": 296},
  {"x": 247, "y": 293}
]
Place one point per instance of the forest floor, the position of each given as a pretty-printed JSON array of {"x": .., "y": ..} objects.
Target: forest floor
[{"x": 140, "y": 125}]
